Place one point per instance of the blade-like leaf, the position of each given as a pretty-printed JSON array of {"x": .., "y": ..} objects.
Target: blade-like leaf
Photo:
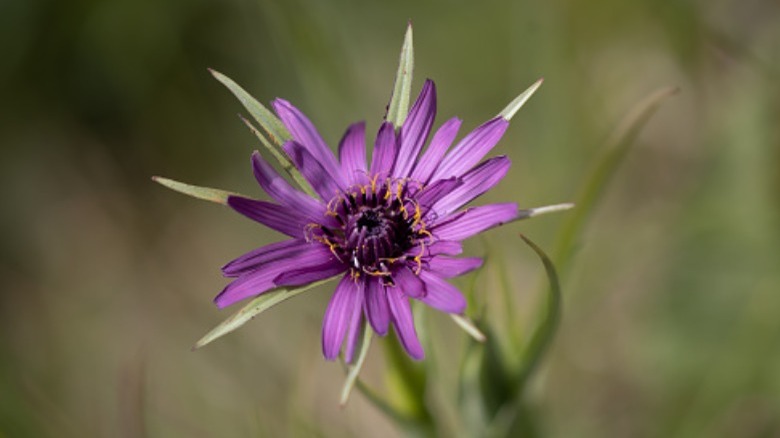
[
  {"x": 468, "y": 326},
  {"x": 254, "y": 308},
  {"x": 353, "y": 371},
  {"x": 406, "y": 382},
  {"x": 520, "y": 100},
  {"x": 543, "y": 333},
  {"x": 617, "y": 146},
  {"x": 383, "y": 405},
  {"x": 205, "y": 193},
  {"x": 398, "y": 107}
]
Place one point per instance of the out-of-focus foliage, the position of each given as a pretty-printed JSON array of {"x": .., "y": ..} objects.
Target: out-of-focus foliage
[{"x": 671, "y": 306}]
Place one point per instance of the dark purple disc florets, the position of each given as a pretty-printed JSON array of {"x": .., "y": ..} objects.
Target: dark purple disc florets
[{"x": 380, "y": 227}]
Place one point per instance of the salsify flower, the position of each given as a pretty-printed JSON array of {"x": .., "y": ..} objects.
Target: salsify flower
[{"x": 390, "y": 228}]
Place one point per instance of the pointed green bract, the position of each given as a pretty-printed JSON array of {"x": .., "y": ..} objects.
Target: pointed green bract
[
  {"x": 398, "y": 107},
  {"x": 538, "y": 211},
  {"x": 282, "y": 159},
  {"x": 354, "y": 369},
  {"x": 468, "y": 326},
  {"x": 276, "y": 131},
  {"x": 274, "y": 134},
  {"x": 519, "y": 101},
  {"x": 254, "y": 308},
  {"x": 205, "y": 193}
]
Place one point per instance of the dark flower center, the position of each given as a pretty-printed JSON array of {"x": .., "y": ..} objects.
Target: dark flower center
[
  {"x": 371, "y": 221},
  {"x": 378, "y": 227}
]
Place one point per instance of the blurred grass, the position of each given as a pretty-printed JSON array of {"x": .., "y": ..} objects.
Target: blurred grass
[{"x": 671, "y": 305}]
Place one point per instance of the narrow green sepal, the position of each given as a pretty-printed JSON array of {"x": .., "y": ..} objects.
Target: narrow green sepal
[
  {"x": 274, "y": 127},
  {"x": 520, "y": 100},
  {"x": 468, "y": 326},
  {"x": 205, "y": 193},
  {"x": 398, "y": 107},
  {"x": 538, "y": 211},
  {"x": 285, "y": 162},
  {"x": 254, "y": 308},
  {"x": 274, "y": 133}
]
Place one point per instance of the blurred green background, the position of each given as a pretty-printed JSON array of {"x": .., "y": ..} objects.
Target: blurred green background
[{"x": 672, "y": 308}]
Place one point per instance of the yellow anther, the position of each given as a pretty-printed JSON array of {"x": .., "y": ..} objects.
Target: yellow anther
[
  {"x": 373, "y": 183},
  {"x": 418, "y": 259}
]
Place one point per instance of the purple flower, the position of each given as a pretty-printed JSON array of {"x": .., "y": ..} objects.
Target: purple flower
[{"x": 390, "y": 228}]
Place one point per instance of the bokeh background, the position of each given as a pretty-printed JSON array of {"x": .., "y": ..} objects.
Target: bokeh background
[{"x": 672, "y": 308}]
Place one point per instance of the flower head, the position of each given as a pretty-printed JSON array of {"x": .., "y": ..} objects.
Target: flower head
[{"x": 390, "y": 228}]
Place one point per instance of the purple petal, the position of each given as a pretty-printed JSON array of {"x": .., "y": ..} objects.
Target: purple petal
[
  {"x": 253, "y": 259},
  {"x": 447, "y": 247},
  {"x": 337, "y": 316},
  {"x": 281, "y": 191},
  {"x": 384, "y": 150},
  {"x": 261, "y": 279},
  {"x": 321, "y": 181},
  {"x": 475, "y": 220},
  {"x": 415, "y": 129},
  {"x": 355, "y": 323},
  {"x": 282, "y": 219},
  {"x": 404, "y": 323},
  {"x": 376, "y": 306},
  {"x": 472, "y": 148},
  {"x": 309, "y": 274},
  {"x": 432, "y": 157},
  {"x": 408, "y": 282},
  {"x": 447, "y": 267},
  {"x": 475, "y": 182},
  {"x": 431, "y": 194},
  {"x": 352, "y": 154},
  {"x": 304, "y": 132},
  {"x": 442, "y": 295}
]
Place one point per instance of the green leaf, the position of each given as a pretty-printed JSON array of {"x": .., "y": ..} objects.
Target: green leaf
[
  {"x": 520, "y": 100},
  {"x": 469, "y": 327},
  {"x": 383, "y": 405},
  {"x": 496, "y": 379},
  {"x": 353, "y": 371},
  {"x": 470, "y": 396},
  {"x": 398, "y": 107},
  {"x": 618, "y": 145},
  {"x": 543, "y": 333},
  {"x": 407, "y": 381},
  {"x": 205, "y": 193},
  {"x": 275, "y": 133},
  {"x": 254, "y": 308}
]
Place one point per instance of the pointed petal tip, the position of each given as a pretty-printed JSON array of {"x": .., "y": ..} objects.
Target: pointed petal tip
[{"x": 220, "y": 300}]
